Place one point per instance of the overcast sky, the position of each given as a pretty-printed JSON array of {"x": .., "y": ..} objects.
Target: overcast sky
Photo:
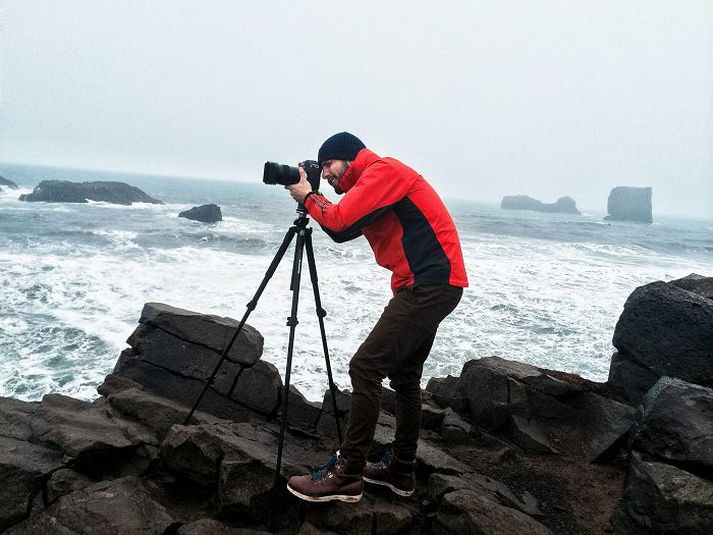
[{"x": 484, "y": 98}]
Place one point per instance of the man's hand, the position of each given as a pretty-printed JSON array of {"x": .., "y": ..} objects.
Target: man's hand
[{"x": 300, "y": 190}]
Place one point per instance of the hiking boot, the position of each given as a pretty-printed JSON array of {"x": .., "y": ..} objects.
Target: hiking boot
[
  {"x": 398, "y": 475},
  {"x": 331, "y": 482}
]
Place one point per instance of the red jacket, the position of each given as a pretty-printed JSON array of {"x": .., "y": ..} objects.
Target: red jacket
[{"x": 403, "y": 218}]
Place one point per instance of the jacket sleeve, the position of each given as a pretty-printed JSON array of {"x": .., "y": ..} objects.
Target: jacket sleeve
[{"x": 376, "y": 191}]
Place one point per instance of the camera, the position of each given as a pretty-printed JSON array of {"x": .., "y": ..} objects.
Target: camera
[{"x": 275, "y": 173}]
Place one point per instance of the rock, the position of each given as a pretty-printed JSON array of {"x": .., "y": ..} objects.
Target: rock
[
  {"x": 81, "y": 192},
  {"x": 454, "y": 429},
  {"x": 432, "y": 417},
  {"x": 531, "y": 437},
  {"x": 344, "y": 518},
  {"x": 660, "y": 498},
  {"x": 8, "y": 183},
  {"x": 627, "y": 203},
  {"x": 441, "y": 484},
  {"x": 206, "y": 213},
  {"x": 674, "y": 423},
  {"x": 564, "y": 205},
  {"x": 23, "y": 467},
  {"x": 443, "y": 390},
  {"x": 668, "y": 331},
  {"x": 82, "y": 431},
  {"x": 629, "y": 379},
  {"x": 493, "y": 389},
  {"x": 198, "y": 451},
  {"x": 467, "y": 511},
  {"x": 302, "y": 413},
  {"x": 391, "y": 518},
  {"x": 327, "y": 424},
  {"x": 208, "y": 330},
  {"x": 65, "y": 481},
  {"x": 174, "y": 352},
  {"x": 607, "y": 423},
  {"x": 210, "y": 526},
  {"x": 119, "y": 507},
  {"x": 697, "y": 284}
]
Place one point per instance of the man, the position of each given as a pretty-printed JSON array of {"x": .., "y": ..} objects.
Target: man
[{"x": 412, "y": 234}]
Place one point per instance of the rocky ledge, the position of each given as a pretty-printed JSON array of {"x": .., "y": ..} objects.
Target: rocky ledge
[
  {"x": 81, "y": 192},
  {"x": 564, "y": 205},
  {"x": 505, "y": 448}
]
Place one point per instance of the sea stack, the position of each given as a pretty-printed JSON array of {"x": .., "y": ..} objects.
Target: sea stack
[
  {"x": 206, "y": 213},
  {"x": 81, "y": 192},
  {"x": 9, "y": 183},
  {"x": 564, "y": 205},
  {"x": 628, "y": 203}
]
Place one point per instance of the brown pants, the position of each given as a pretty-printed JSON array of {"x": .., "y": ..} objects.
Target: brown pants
[{"x": 396, "y": 348}]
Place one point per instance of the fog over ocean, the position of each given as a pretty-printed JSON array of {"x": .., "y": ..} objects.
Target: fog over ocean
[{"x": 546, "y": 289}]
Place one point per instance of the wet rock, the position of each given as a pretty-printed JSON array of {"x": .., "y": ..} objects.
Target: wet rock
[
  {"x": 432, "y": 417},
  {"x": 629, "y": 379},
  {"x": 467, "y": 511},
  {"x": 675, "y": 423},
  {"x": 628, "y": 203},
  {"x": 81, "y": 192},
  {"x": 668, "y": 331},
  {"x": 327, "y": 424},
  {"x": 206, "y": 213},
  {"x": 301, "y": 412},
  {"x": 120, "y": 507},
  {"x": 660, "y": 498}
]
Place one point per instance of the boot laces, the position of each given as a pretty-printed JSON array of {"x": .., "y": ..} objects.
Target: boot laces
[
  {"x": 386, "y": 457},
  {"x": 332, "y": 462}
]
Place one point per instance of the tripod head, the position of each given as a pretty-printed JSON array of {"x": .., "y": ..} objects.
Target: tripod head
[{"x": 302, "y": 218}]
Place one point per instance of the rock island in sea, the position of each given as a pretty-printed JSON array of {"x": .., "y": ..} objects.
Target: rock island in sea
[{"x": 505, "y": 447}]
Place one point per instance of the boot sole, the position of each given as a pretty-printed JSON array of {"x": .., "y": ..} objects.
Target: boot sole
[
  {"x": 400, "y": 492},
  {"x": 334, "y": 497}
]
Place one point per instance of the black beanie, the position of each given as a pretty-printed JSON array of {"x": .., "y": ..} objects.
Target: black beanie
[{"x": 342, "y": 146}]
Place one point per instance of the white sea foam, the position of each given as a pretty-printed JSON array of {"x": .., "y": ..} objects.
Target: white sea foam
[{"x": 72, "y": 297}]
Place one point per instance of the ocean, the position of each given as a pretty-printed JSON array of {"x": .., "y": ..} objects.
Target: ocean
[{"x": 546, "y": 289}]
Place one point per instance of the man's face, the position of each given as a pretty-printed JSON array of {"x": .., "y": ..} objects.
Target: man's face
[{"x": 333, "y": 171}]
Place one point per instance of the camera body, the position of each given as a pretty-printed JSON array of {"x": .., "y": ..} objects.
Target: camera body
[{"x": 285, "y": 175}]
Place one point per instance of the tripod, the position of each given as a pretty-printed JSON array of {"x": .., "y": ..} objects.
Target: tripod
[{"x": 304, "y": 242}]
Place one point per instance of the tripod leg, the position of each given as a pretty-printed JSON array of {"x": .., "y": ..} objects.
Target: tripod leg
[
  {"x": 251, "y": 306},
  {"x": 321, "y": 313},
  {"x": 292, "y": 322}
]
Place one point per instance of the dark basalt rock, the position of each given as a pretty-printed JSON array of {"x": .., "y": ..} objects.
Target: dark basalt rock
[
  {"x": 674, "y": 423},
  {"x": 666, "y": 331},
  {"x": 697, "y": 284},
  {"x": 126, "y": 460},
  {"x": 660, "y": 498},
  {"x": 7, "y": 183},
  {"x": 627, "y": 203},
  {"x": 206, "y": 213},
  {"x": 564, "y": 205},
  {"x": 81, "y": 192},
  {"x": 122, "y": 506}
]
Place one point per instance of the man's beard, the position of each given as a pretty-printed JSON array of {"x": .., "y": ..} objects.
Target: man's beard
[{"x": 340, "y": 174}]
